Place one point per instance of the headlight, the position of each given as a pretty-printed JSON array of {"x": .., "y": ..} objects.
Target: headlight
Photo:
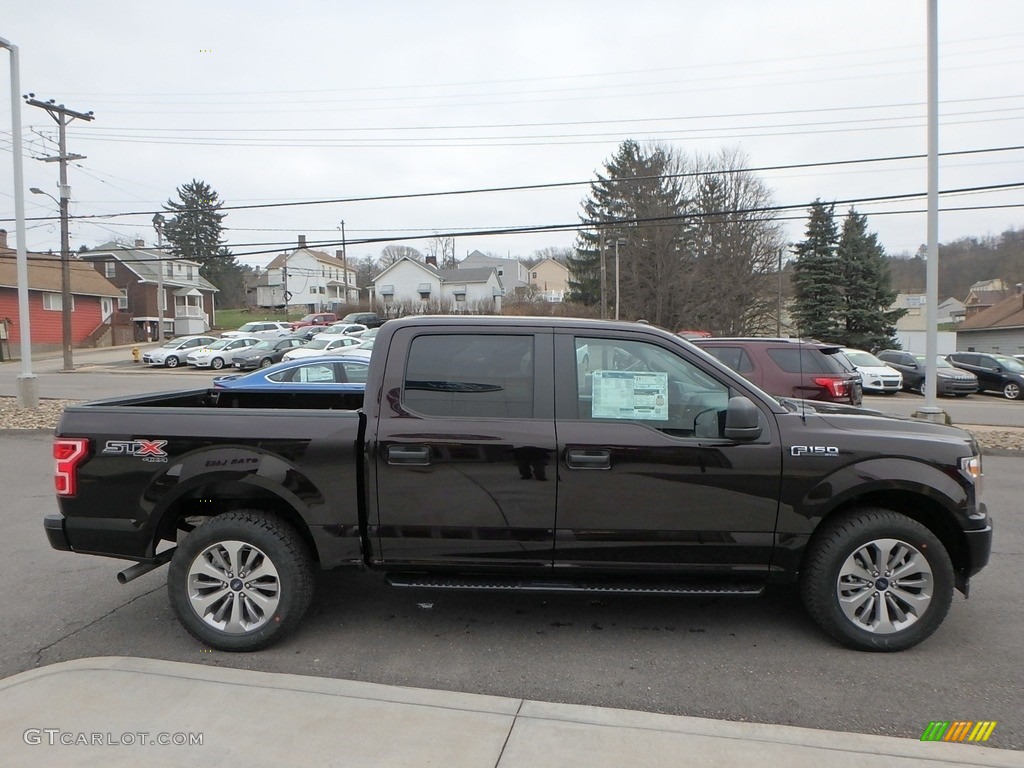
[{"x": 970, "y": 466}]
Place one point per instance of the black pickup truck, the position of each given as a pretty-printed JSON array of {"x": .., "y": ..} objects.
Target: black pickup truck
[{"x": 526, "y": 454}]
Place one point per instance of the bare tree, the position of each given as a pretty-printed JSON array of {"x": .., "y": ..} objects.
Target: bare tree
[
  {"x": 392, "y": 253},
  {"x": 443, "y": 250}
]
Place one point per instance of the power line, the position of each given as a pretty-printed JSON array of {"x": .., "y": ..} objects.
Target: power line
[{"x": 557, "y": 185}]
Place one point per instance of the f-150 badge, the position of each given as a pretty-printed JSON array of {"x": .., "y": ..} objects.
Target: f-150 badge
[{"x": 814, "y": 450}]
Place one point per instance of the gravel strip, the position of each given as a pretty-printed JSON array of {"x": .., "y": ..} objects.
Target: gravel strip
[{"x": 48, "y": 412}]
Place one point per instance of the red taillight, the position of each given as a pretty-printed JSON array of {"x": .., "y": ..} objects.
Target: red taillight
[
  {"x": 835, "y": 387},
  {"x": 69, "y": 453}
]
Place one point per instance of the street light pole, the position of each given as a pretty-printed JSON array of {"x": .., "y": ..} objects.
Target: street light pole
[{"x": 28, "y": 393}]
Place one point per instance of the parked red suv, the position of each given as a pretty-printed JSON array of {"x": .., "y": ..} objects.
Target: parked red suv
[
  {"x": 318, "y": 318},
  {"x": 790, "y": 367}
]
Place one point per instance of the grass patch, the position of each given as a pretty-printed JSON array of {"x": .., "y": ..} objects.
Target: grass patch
[{"x": 229, "y": 319}]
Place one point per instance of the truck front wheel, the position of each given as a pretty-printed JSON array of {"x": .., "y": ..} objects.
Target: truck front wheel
[
  {"x": 876, "y": 580},
  {"x": 241, "y": 581}
]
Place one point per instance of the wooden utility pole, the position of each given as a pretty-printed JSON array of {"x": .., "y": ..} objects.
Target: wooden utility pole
[{"x": 62, "y": 115}]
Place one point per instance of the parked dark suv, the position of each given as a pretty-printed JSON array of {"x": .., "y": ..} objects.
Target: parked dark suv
[
  {"x": 950, "y": 381},
  {"x": 789, "y": 367},
  {"x": 996, "y": 373}
]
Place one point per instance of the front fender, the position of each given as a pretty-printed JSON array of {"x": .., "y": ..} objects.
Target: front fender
[{"x": 806, "y": 501}]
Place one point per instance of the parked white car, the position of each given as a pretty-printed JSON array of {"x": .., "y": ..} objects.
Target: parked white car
[
  {"x": 261, "y": 329},
  {"x": 218, "y": 353},
  {"x": 173, "y": 353},
  {"x": 363, "y": 349},
  {"x": 322, "y": 344},
  {"x": 877, "y": 378}
]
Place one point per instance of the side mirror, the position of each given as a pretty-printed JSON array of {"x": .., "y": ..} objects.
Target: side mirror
[{"x": 742, "y": 419}]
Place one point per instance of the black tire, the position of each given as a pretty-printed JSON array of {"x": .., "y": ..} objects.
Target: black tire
[
  {"x": 224, "y": 614},
  {"x": 217, "y": 363},
  {"x": 919, "y": 388},
  {"x": 849, "y": 542},
  {"x": 266, "y": 362},
  {"x": 172, "y": 362}
]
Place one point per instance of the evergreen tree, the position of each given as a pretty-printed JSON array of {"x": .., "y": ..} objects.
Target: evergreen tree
[
  {"x": 195, "y": 232},
  {"x": 636, "y": 201},
  {"x": 817, "y": 280},
  {"x": 869, "y": 323}
]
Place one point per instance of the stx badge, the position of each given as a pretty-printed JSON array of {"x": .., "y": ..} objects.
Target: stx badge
[{"x": 147, "y": 450}]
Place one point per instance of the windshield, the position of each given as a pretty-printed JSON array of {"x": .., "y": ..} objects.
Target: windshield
[
  {"x": 940, "y": 362},
  {"x": 249, "y": 327},
  {"x": 317, "y": 343},
  {"x": 863, "y": 359},
  {"x": 368, "y": 344},
  {"x": 1010, "y": 364},
  {"x": 262, "y": 345},
  {"x": 219, "y": 344},
  {"x": 173, "y": 343}
]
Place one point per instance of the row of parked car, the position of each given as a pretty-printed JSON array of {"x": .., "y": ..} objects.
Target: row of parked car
[
  {"x": 814, "y": 371},
  {"x": 253, "y": 347}
]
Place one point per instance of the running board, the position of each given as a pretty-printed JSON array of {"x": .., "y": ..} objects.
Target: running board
[{"x": 591, "y": 587}]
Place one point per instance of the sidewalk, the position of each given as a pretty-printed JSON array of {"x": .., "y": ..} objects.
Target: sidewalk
[{"x": 129, "y": 706}]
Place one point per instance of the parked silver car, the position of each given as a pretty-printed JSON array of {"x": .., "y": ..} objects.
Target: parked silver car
[
  {"x": 172, "y": 353},
  {"x": 219, "y": 353}
]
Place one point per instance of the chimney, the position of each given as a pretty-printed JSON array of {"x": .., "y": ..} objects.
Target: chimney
[
  {"x": 431, "y": 261},
  {"x": 3, "y": 239},
  {"x": 302, "y": 241},
  {"x": 140, "y": 243}
]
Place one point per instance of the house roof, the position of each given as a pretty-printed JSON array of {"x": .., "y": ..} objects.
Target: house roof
[
  {"x": 469, "y": 275},
  {"x": 1008, "y": 313},
  {"x": 44, "y": 274},
  {"x": 145, "y": 262},
  {"x": 325, "y": 258},
  {"x": 985, "y": 298}
]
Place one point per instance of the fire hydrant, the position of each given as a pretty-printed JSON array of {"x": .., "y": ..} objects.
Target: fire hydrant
[{"x": 136, "y": 354}]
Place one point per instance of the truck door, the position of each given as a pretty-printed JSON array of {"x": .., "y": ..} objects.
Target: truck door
[
  {"x": 647, "y": 482},
  {"x": 465, "y": 451}
]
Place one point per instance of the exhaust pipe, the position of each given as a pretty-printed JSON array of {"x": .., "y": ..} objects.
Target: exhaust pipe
[{"x": 133, "y": 572}]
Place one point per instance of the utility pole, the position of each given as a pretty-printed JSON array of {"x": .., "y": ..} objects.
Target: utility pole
[
  {"x": 604, "y": 300},
  {"x": 344, "y": 261},
  {"x": 618, "y": 241},
  {"x": 62, "y": 116},
  {"x": 158, "y": 225}
]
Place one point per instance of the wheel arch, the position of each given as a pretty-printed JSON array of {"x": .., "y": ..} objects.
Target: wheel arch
[
  {"x": 209, "y": 497},
  {"x": 923, "y": 509}
]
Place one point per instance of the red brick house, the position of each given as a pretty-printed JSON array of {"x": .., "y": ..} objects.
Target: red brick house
[{"x": 93, "y": 300}]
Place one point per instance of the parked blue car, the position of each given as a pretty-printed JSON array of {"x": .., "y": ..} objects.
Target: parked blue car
[{"x": 333, "y": 373}]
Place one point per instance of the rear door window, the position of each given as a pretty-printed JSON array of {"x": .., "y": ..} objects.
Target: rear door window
[{"x": 470, "y": 375}]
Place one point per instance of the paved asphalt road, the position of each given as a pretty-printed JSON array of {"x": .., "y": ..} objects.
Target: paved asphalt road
[{"x": 738, "y": 659}]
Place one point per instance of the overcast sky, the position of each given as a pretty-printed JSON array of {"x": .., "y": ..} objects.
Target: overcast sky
[{"x": 273, "y": 102}]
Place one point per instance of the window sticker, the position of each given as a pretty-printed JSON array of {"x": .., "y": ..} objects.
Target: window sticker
[{"x": 630, "y": 395}]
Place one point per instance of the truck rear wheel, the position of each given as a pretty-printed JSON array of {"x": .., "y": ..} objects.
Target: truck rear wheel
[
  {"x": 241, "y": 581},
  {"x": 877, "y": 581}
]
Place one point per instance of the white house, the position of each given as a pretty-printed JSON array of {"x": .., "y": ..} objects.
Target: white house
[
  {"x": 513, "y": 273},
  {"x": 411, "y": 286},
  {"x": 309, "y": 279}
]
